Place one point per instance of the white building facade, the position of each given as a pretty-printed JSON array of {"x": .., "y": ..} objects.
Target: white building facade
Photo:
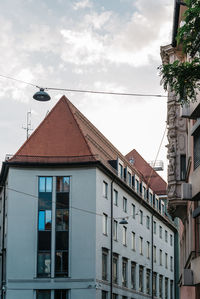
[{"x": 61, "y": 236}]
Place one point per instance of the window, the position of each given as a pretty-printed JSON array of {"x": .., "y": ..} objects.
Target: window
[
  {"x": 115, "y": 230},
  {"x": 129, "y": 179},
  {"x": 141, "y": 245},
  {"x": 196, "y": 149},
  {"x": 171, "y": 263},
  {"x": 124, "y": 271},
  {"x": 115, "y": 197},
  {"x": 115, "y": 268},
  {"x": 166, "y": 260},
  {"x": 104, "y": 264},
  {"x": 160, "y": 257},
  {"x": 114, "y": 296},
  {"x": 171, "y": 289},
  {"x": 148, "y": 249},
  {"x": 43, "y": 294},
  {"x": 166, "y": 236},
  {"x": 154, "y": 283},
  {"x": 105, "y": 224},
  {"x": 144, "y": 193},
  {"x": 171, "y": 240},
  {"x": 160, "y": 231},
  {"x": 104, "y": 295},
  {"x": 157, "y": 204},
  {"x": 141, "y": 278},
  {"x": 124, "y": 229},
  {"x": 133, "y": 241},
  {"x": 61, "y": 294},
  {"x": 182, "y": 167},
  {"x": 133, "y": 211},
  {"x": 133, "y": 275},
  {"x": 125, "y": 204},
  {"x": 160, "y": 286},
  {"x": 151, "y": 199},
  {"x": 44, "y": 226},
  {"x": 154, "y": 254},
  {"x": 148, "y": 275},
  {"x": 141, "y": 217},
  {"x": 148, "y": 222},
  {"x": 154, "y": 227},
  {"x": 166, "y": 288},
  {"x": 62, "y": 226},
  {"x": 121, "y": 171},
  {"x": 137, "y": 186},
  {"x": 105, "y": 189}
]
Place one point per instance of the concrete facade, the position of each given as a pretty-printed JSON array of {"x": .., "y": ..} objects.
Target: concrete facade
[{"x": 87, "y": 205}]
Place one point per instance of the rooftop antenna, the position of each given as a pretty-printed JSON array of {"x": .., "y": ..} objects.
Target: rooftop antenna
[{"x": 28, "y": 124}]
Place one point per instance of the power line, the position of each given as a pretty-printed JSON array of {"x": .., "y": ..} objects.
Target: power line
[{"x": 88, "y": 91}]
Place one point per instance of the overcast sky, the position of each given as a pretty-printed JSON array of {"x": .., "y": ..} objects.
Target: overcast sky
[{"x": 109, "y": 45}]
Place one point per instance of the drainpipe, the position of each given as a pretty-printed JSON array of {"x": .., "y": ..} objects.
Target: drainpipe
[
  {"x": 152, "y": 296},
  {"x": 3, "y": 249},
  {"x": 111, "y": 238}
]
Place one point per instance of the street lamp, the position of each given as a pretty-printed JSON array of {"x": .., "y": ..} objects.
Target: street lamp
[{"x": 41, "y": 96}]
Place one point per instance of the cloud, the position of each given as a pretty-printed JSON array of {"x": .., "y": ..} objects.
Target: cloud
[{"x": 82, "y": 4}]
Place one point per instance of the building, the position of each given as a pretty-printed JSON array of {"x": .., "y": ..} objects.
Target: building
[
  {"x": 66, "y": 197},
  {"x": 184, "y": 171}
]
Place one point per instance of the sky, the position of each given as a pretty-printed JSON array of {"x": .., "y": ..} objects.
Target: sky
[{"x": 92, "y": 45}]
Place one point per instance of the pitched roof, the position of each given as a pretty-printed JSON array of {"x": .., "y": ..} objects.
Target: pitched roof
[
  {"x": 66, "y": 135},
  {"x": 151, "y": 177}
]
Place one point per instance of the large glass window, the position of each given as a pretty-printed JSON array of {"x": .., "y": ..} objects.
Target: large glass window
[
  {"x": 62, "y": 226},
  {"x": 105, "y": 189},
  {"x": 44, "y": 226},
  {"x": 115, "y": 229},
  {"x": 104, "y": 295}
]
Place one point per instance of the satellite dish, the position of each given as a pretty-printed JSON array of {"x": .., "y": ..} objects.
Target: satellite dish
[{"x": 41, "y": 96}]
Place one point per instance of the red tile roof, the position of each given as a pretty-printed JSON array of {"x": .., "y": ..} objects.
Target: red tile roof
[
  {"x": 151, "y": 177},
  {"x": 66, "y": 135}
]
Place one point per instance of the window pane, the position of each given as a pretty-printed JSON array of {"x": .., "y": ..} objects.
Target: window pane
[
  {"x": 44, "y": 263},
  {"x": 45, "y": 201},
  {"x": 48, "y": 220},
  {"x": 41, "y": 220},
  {"x": 48, "y": 184},
  {"x": 62, "y": 219},
  {"x": 44, "y": 240},
  {"x": 42, "y": 184},
  {"x": 62, "y": 200},
  {"x": 61, "y": 240},
  {"x": 66, "y": 184}
]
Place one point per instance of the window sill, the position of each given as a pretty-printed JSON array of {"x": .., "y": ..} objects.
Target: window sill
[{"x": 106, "y": 235}]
